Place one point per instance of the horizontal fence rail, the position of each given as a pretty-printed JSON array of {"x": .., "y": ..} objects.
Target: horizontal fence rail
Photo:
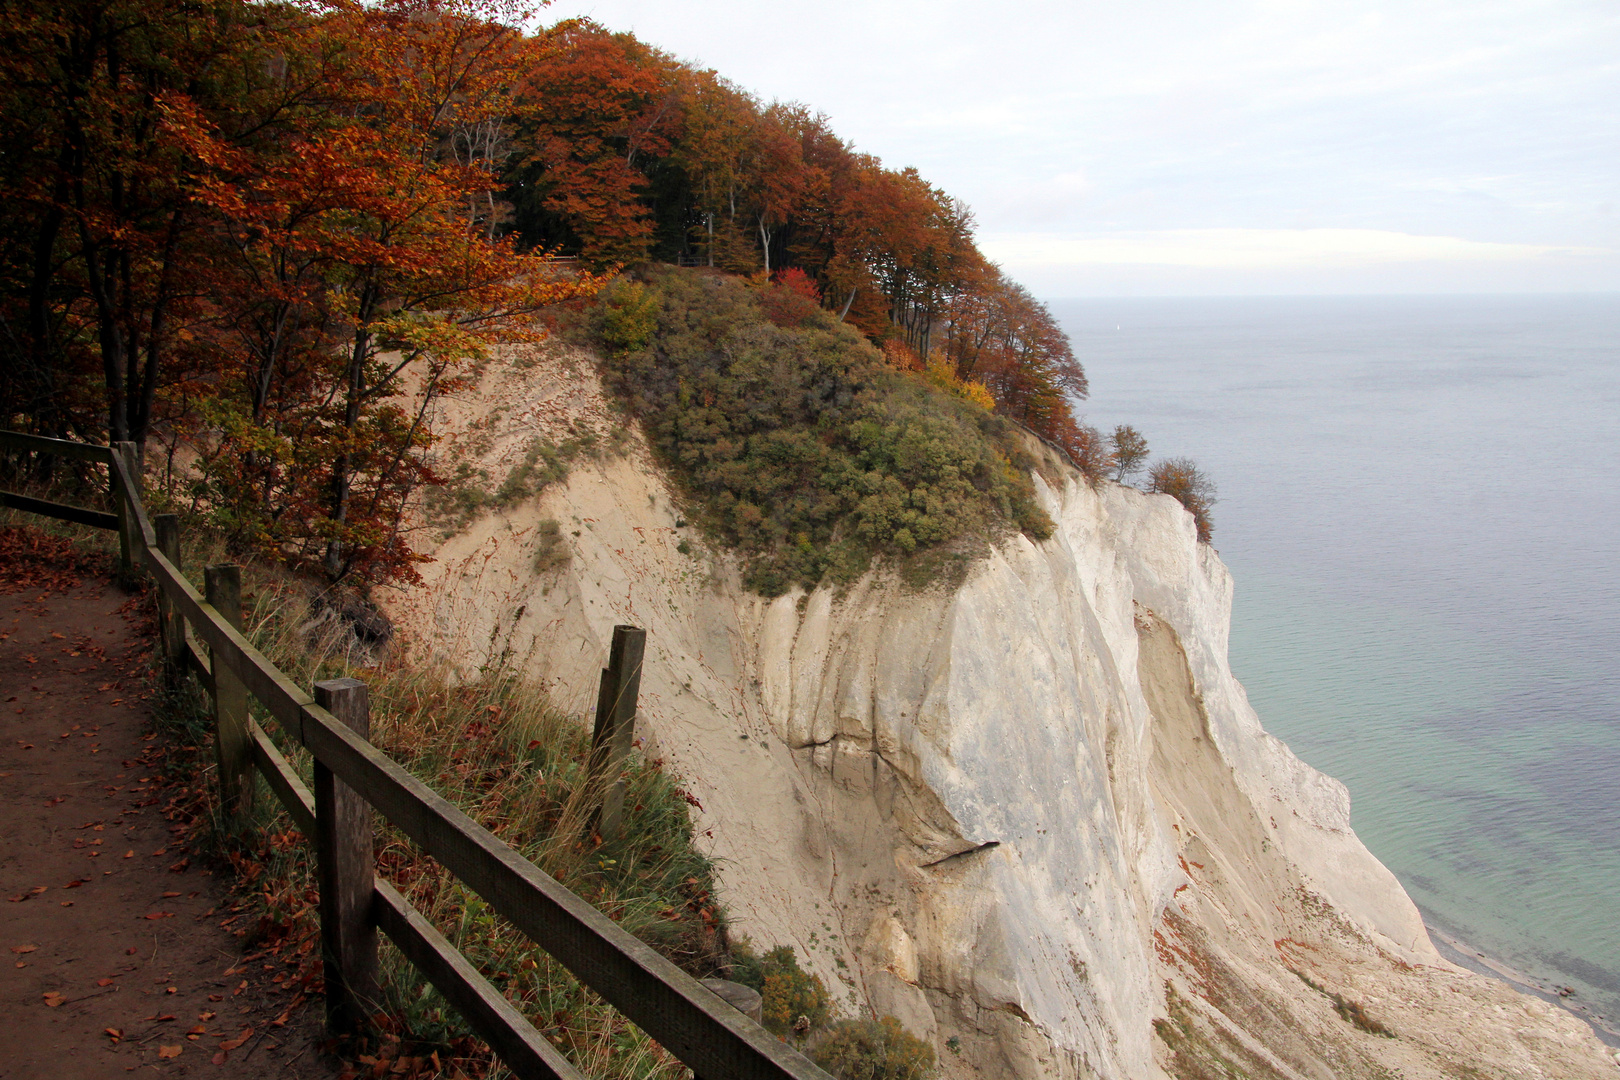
[{"x": 704, "y": 1031}]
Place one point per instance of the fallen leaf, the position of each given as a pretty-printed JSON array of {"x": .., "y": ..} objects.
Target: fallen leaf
[
  {"x": 161, "y": 851},
  {"x": 76, "y": 882},
  {"x": 67, "y": 903},
  {"x": 180, "y": 867},
  {"x": 20, "y": 949},
  {"x": 231, "y": 1044},
  {"x": 52, "y": 998},
  {"x": 159, "y": 1018},
  {"x": 159, "y": 915},
  {"x": 116, "y": 1033},
  {"x": 104, "y": 982},
  {"x": 131, "y": 950},
  {"x": 170, "y": 1051},
  {"x": 206, "y": 1016},
  {"x": 170, "y": 895},
  {"x": 169, "y": 989},
  {"x": 129, "y": 854}
]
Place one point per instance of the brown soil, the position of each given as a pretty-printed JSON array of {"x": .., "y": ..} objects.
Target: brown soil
[{"x": 112, "y": 954}]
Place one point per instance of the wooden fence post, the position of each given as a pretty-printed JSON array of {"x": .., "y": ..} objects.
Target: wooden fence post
[
  {"x": 344, "y": 849},
  {"x": 126, "y": 515},
  {"x": 171, "y": 624},
  {"x": 615, "y": 726},
  {"x": 232, "y": 749}
]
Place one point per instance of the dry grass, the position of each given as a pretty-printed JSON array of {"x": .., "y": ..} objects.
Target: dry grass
[{"x": 498, "y": 750}]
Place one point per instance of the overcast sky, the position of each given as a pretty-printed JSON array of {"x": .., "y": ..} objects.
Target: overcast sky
[{"x": 1155, "y": 147}]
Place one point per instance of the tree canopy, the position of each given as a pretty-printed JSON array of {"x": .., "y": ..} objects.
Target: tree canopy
[
  {"x": 262, "y": 238},
  {"x": 622, "y": 154}
]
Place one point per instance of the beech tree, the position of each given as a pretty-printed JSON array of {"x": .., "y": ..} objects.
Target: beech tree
[
  {"x": 99, "y": 222},
  {"x": 266, "y": 220},
  {"x": 1130, "y": 449},
  {"x": 353, "y": 237},
  {"x": 718, "y": 125},
  {"x": 1182, "y": 479},
  {"x": 595, "y": 109}
]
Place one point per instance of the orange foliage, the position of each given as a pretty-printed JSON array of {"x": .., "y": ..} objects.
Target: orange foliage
[
  {"x": 347, "y": 258},
  {"x": 592, "y": 108}
]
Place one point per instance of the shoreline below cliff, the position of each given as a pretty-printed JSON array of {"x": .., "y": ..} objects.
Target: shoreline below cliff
[{"x": 1459, "y": 952}]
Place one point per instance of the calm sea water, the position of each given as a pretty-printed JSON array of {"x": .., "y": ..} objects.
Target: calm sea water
[{"x": 1420, "y": 503}]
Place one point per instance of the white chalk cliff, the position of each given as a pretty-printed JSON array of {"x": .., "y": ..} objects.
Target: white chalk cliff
[{"x": 1032, "y": 816}]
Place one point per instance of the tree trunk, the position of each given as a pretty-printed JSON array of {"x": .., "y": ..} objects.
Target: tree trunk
[
  {"x": 111, "y": 337},
  {"x": 343, "y": 463}
]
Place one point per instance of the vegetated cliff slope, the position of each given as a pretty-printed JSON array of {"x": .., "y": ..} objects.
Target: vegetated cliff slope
[{"x": 1033, "y": 816}]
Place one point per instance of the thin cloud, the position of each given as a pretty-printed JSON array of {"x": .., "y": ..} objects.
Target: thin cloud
[{"x": 1255, "y": 249}]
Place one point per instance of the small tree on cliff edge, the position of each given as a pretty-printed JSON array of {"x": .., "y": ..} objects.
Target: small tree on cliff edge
[
  {"x": 1181, "y": 478},
  {"x": 1130, "y": 450}
]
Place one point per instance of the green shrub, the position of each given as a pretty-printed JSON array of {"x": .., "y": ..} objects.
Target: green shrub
[
  {"x": 629, "y": 316},
  {"x": 872, "y": 1050},
  {"x": 550, "y": 549},
  {"x": 787, "y": 990},
  {"x": 797, "y": 444}
]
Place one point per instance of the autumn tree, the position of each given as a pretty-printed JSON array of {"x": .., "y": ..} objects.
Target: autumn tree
[
  {"x": 355, "y": 239},
  {"x": 717, "y": 151},
  {"x": 99, "y": 225},
  {"x": 1182, "y": 479},
  {"x": 1129, "y": 450},
  {"x": 593, "y": 112}
]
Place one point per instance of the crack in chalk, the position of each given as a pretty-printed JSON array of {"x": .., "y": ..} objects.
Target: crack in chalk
[{"x": 960, "y": 854}]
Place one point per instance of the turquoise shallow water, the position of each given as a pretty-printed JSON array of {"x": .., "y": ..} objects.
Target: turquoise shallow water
[{"x": 1420, "y": 504}]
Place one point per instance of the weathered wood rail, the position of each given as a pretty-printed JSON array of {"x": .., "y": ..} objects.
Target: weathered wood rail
[{"x": 353, "y": 778}]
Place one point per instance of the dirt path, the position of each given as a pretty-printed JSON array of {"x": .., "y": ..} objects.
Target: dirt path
[{"x": 112, "y": 957}]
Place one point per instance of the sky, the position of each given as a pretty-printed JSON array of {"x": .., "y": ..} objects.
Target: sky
[{"x": 1175, "y": 148}]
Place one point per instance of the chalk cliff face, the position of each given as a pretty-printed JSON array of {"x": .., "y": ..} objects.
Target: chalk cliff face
[{"x": 1033, "y": 816}]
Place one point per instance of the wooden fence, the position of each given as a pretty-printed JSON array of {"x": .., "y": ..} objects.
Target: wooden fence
[{"x": 353, "y": 778}]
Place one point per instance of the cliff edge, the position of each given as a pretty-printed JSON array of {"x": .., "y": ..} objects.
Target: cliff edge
[{"x": 1031, "y": 815}]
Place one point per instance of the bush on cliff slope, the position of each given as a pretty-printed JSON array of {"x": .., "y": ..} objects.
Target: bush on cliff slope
[
  {"x": 796, "y": 444},
  {"x": 1182, "y": 479},
  {"x": 872, "y": 1050}
]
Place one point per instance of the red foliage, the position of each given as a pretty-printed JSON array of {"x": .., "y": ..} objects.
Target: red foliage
[
  {"x": 790, "y": 298},
  {"x": 794, "y": 280},
  {"x": 593, "y": 106}
]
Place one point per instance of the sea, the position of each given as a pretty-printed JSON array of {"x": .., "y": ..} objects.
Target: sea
[{"x": 1419, "y": 500}]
